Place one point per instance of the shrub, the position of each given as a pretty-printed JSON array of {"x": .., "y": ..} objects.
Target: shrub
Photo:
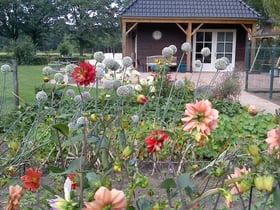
[
  {"x": 24, "y": 51},
  {"x": 229, "y": 86}
]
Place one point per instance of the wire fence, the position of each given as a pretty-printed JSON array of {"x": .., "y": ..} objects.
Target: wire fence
[
  {"x": 262, "y": 69},
  {"x": 8, "y": 85}
]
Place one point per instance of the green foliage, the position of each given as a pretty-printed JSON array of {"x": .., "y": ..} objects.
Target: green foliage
[
  {"x": 63, "y": 49},
  {"x": 24, "y": 51}
]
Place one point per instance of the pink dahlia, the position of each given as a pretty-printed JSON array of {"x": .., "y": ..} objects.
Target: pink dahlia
[
  {"x": 201, "y": 116},
  {"x": 272, "y": 140}
]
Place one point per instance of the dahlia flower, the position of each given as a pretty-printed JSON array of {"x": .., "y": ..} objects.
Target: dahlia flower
[
  {"x": 201, "y": 116},
  {"x": 15, "y": 192},
  {"x": 84, "y": 74},
  {"x": 155, "y": 140},
  {"x": 104, "y": 197},
  {"x": 272, "y": 140},
  {"x": 241, "y": 186},
  {"x": 32, "y": 179}
]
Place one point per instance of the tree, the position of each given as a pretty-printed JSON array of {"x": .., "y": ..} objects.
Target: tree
[
  {"x": 89, "y": 20},
  {"x": 10, "y": 18},
  {"x": 39, "y": 18},
  {"x": 272, "y": 7}
]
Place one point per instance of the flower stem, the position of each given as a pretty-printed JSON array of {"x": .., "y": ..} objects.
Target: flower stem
[{"x": 130, "y": 195}]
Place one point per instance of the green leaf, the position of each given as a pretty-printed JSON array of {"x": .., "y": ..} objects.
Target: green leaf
[
  {"x": 168, "y": 183},
  {"x": 46, "y": 187},
  {"x": 276, "y": 196},
  {"x": 62, "y": 128},
  {"x": 92, "y": 178},
  {"x": 183, "y": 180},
  {"x": 55, "y": 169}
]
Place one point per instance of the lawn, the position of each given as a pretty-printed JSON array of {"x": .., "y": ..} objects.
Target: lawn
[{"x": 30, "y": 77}]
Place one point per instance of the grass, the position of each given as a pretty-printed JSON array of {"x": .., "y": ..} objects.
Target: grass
[{"x": 29, "y": 77}]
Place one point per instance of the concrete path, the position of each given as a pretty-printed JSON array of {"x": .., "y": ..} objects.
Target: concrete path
[{"x": 245, "y": 98}]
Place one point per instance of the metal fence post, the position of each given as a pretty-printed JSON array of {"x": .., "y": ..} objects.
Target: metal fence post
[
  {"x": 272, "y": 69},
  {"x": 247, "y": 64},
  {"x": 15, "y": 79}
]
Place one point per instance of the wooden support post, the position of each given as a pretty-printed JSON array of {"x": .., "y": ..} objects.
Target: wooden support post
[
  {"x": 189, "y": 39},
  {"x": 253, "y": 42}
]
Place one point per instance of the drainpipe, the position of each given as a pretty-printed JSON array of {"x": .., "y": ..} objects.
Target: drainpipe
[
  {"x": 272, "y": 69},
  {"x": 247, "y": 63}
]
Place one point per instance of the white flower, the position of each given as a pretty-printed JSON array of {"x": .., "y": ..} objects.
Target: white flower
[
  {"x": 135, "y": 73},
  {"x": 47, "y": 70},
  {"x": 130, "y": 88},
  {"x": 150, "y": 80},
  {"x": 138, "y": 88},
  {"x": 71, "y": 125},
  {"x": 82, "y": 121},
  {"x": 226, "y": 60},
  {"x": 143, "y": 81},
  {"x": 109, "y": 63},
  {"x": 41, "y": 96},
  {"x": 70, "y": 68},
  {"x": 167, "y": 52},
  {"x": 186, "y": 47},
  {"x": 221, "y": 64},
  {"x": 197, "y": 63},
  {"x": 205, "y": 51},
  {"x": 100, "y": 70},
  {"x": 78, "y": 99},
  {"x": 58, "y": 77},
  {"x": 70, "y": 93},
  {"x": 123, "y": 91},
  {"x": 152, "y": 89},
  {"x": 98, "y": 56},
  {"x": 179, "y": 84},
  {"x": 108, "y": 84},
  {"x": 135, "y": 119},
  {"x": 116, "y": 83},
  {"x": 174, "y": 49},
  {"x": 127, "y": 61},
  {"x": 119, "y": 76},
  {"x": 5, "y": 68},
  {"x": 86, "y": 96}
]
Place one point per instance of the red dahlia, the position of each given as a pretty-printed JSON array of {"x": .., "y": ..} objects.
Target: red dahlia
[
  {"x": 155, "y": 140},
  {"x": 84, "y": 74}
]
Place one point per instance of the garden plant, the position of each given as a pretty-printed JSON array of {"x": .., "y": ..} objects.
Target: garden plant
[{"x": 103, "y": 137}]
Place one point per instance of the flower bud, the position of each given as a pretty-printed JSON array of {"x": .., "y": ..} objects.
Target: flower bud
[
  {"x": 127, "y": 151},
  {"x": 141, "y": 99},
  {"x": 256, "y": 160},
  {"x": 268, "y": 183},
  {"x": 117, "y": 167},
  {"x": 252, "y": 110},
  {"x": 259, "y": 183},
  {"x": 253, "y": 150},
  {"x": 46, "y": 79}
]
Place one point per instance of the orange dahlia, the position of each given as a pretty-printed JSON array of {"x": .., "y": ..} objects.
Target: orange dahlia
[
  {"x": 32, "y": 179},
  {"x": 16, "y": 192},
  {"x": 104, "y": 197},
  {"x": 201, "y": 116},
  {"x": 84, "y": 74}
]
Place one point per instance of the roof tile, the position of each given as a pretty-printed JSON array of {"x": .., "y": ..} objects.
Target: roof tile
[{"x": 190, "y": 9}]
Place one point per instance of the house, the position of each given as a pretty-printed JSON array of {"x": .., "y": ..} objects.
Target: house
[{"x": 222, "y": 25}]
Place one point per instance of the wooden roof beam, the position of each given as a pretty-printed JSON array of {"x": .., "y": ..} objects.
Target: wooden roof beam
[
  {"x": 131, "y": 28},
  {"x": 197, "y": 28},
  {"x": 182, "y": 29}
]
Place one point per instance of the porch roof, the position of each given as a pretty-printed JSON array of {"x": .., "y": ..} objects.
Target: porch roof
[{"x": 215, "y": 9}]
